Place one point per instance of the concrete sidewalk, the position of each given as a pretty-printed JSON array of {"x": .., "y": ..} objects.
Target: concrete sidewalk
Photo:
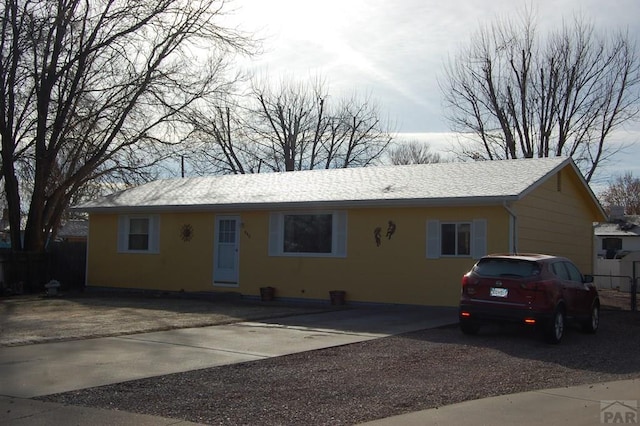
[
  {"x": 612, "y": 402},
  {"x": 28, "y": 412}
]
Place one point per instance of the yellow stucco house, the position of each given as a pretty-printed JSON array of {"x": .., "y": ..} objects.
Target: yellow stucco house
[{"x": 398, "y": 234}]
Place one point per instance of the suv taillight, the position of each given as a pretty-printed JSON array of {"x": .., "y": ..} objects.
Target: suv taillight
[
  {"x": 466, "y": 288},
  {"x": 465, "y": 280}
]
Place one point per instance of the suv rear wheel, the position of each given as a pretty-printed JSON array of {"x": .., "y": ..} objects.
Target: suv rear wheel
[
  {"x": 591, "y": 324},
  {"x": 555, "y": 328}
]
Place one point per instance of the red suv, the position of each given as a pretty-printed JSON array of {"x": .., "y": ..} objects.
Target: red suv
[{"x": 533, "y": 289}]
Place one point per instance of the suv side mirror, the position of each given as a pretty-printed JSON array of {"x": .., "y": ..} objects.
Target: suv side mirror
[{"x": 587, "y": 279}]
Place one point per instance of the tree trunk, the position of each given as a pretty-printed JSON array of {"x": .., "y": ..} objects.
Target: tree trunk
[{"x": 13, "y": 206}]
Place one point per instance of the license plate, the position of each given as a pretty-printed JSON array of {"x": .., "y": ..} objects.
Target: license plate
[{"x": 498, "y": 292}]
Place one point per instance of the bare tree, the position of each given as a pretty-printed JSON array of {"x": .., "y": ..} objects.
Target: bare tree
[
  {"x": 301, "y": 126},
  {"x": 623, "y": 191},
  {"x": 413, "y": 152},
  {"x": 288, "y": 126},
  {"x": 356, "y": 135},
  {"x": 90, "y": 90},
  {"x": 518, "y": 94},
  {"x": 286, "y": 122},
  {"x": 218, "y": 142}
]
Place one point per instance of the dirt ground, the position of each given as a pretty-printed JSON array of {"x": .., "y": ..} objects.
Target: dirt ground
[
  {"x": 36, "y": 319},
  {"x": 615, "y": 299}
]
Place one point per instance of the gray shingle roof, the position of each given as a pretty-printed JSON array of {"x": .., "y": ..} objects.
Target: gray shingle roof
[
  {"x": 74, "y": 228},
  {"x": 629, "y": 226},
  {"x": 425, "y": 184}
]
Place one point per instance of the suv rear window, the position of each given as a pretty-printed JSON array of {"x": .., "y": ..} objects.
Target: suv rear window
[{"x": 507, "y": 267}]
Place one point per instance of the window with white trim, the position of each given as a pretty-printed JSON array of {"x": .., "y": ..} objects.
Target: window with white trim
[
  {"x": 138, "y": 233},
  {"x": 138, "y": 238},
  {"x": 456, "y": 239},
  {"x": 307, "y": 233},
  {"x": 316, "y": 234}
]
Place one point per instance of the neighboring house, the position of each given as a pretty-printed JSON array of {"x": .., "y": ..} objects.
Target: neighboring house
[
  {"x": 70, "y": 231},
  {"x": 618, "y": 251},
  {"x": 73, "y": 231},
  {"x": 618, "y": 237},
  {"x": 398, "y": 234}
]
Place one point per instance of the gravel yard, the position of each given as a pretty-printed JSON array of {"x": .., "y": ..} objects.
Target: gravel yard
[{"x": 380, "y": 378}]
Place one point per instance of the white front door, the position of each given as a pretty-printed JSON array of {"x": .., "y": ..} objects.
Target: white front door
[{"x": 225, "y": 265}]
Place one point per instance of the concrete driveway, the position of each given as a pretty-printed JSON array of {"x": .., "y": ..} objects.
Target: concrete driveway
[{"x": 43, "y": 369}]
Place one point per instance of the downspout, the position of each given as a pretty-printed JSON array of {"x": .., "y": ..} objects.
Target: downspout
[{"x": 513, "y": 228}]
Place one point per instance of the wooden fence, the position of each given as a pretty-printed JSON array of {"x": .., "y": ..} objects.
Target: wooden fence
[{"x": 27, "y": 272}]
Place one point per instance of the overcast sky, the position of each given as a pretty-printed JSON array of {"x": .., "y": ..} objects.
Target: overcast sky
[{"x": 395, "y": 50}]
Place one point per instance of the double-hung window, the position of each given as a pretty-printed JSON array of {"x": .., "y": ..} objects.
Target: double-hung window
[
  {"x": 138, "y": 234},
  {"x": 313, "y": 234},
  {"x": 456, "y": 239}
]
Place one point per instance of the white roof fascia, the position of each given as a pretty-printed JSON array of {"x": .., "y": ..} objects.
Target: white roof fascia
[{"x": 307, "y": 205}]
